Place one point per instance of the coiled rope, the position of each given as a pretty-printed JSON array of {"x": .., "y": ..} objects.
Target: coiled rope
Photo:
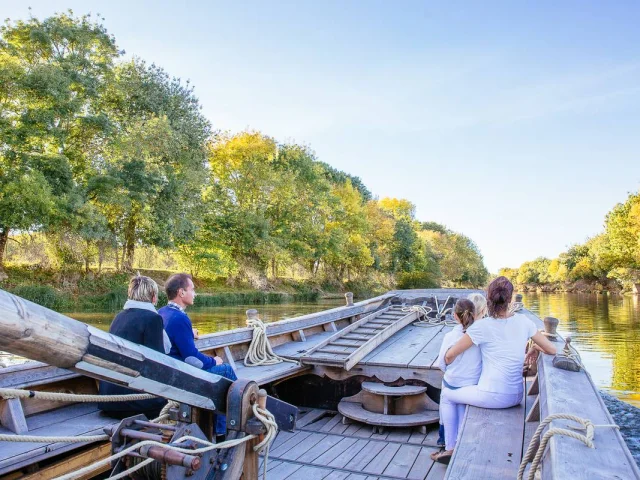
[
  {"x": 260, "y": 351},
  {"x": 534, "y": 452},
  {"x": 440, "y": 316},
  {"x": 515, "y": 307},
  {"x": 261, "y": 414}
]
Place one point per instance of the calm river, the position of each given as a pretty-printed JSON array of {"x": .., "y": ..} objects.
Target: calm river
[{"x": 605, "y": 330}]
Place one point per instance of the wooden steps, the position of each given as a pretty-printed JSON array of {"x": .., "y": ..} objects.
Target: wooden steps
[
  {"x": 351, "y": 344},
  {"x": 356, "y": 411}
]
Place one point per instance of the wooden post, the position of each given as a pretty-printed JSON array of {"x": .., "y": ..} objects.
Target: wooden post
[
  {"x": 252, "y": 313},
  {"x": 251, "y": 458},
  {"x": 349, "y": 297},
  {"x": 550, "y": 328},
  {"x": 518, "y": 297}
]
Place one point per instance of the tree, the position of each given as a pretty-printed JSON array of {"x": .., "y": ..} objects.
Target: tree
[
  {"x": 51, "y": 71},
  {"x": 148, "y": 181}
]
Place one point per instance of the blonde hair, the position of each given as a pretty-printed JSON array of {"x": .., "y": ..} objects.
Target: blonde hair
[
  {"x": 480, "y": 304},
  {"x": 142, "y": 289}
]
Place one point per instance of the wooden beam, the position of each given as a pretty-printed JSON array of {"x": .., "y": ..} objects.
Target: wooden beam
[
  {"x": 12, "y": 416},
  {"x": 76, "y": 462}
]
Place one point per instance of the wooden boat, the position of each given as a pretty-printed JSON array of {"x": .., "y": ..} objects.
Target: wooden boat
[{"x": 364, "y": 382}]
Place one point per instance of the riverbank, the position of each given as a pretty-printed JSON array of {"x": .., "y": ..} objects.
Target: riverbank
[
  {"x": 580, "y": 286},
  {"x": 107, "y": 291}
]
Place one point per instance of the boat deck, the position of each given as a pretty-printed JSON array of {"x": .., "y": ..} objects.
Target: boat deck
[{"x": 322, "y": 447}]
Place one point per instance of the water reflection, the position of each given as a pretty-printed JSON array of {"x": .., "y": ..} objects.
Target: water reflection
[{"x": 605, "y": 330}]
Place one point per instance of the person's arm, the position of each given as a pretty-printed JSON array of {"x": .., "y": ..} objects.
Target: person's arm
[
  {"x": 544, "y": 344},
  {"x": 183, "y": 340},
  {"x": 440, "y": 363},
  {"x": 460, "y": 346}
]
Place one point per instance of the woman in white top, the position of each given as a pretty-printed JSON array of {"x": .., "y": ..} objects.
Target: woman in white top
[{"x": 502, "y": 338}]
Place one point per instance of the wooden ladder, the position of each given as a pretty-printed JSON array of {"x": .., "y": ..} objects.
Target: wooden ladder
[{"x": 348, "y": 346}]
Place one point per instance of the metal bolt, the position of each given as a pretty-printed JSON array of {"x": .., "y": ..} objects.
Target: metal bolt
[
  {"x": 184, "y": 414},
  {"x": 232, "y": 422},
  {"x": 224, "y": 466},
  {"x": 291, "y": 418}
]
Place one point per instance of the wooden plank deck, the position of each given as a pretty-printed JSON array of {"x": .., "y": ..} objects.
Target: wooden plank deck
[{"x": 324, "y": 448}]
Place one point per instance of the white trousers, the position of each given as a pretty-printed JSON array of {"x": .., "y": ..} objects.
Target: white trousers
[{"x": 454, "y": 402}]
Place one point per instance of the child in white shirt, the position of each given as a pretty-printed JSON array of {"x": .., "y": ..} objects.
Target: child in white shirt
[{"x": 465, "y": 369}]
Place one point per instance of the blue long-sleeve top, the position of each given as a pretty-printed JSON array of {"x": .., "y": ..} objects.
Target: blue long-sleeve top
[{"x": 180, "y": 331}]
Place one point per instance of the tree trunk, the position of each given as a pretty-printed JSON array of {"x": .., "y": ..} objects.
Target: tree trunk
[
  {"x": 4, "y": 238},
  {"x": 129, "y": 245}
]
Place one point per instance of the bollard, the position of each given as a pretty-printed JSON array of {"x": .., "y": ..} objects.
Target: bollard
[{"x": 349, "y": 298}]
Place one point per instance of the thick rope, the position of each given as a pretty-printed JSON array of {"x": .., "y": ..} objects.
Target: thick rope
[
  {"x": 535, "y": 452},
  {"x": 515, "y": 307},
  {"x": 260, "y": 351},
  {"x": 440, "y": 318},
  {"x": 8, "y": 393},
  {"x": 261, "y": 414},
  {"x": 39, "y": 439}
]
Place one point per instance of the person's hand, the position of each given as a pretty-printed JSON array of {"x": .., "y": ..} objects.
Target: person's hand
[
  {"x": 196, "y": 334},
  {"x": 218, "y": 360},
  {"x": 532, "y": 355}
]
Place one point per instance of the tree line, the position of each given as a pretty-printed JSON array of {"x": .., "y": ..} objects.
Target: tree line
[
  {"x": 611, "y": 256},
  {"x": 102, "y": 157}
]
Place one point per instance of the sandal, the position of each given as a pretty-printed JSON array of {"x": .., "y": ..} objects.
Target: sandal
[{"x": 442, "y": 457}]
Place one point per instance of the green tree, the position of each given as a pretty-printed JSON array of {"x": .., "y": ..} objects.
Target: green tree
[{"x": 51, "y": 72}]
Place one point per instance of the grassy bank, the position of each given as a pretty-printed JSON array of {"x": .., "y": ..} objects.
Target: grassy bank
[{"x": 67, "y": 291}]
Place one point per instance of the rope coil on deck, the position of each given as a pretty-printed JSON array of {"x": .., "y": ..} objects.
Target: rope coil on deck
[
  {"x": 440, "y": 318},
  {"x": 260, "y": 351},
  {"x": 534, "y": 451}
]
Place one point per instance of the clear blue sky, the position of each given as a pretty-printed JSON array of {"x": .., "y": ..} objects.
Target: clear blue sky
[{"x": 516, "y": 123}]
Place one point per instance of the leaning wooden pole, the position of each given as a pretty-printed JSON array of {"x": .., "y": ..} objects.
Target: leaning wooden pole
[{"x": 37, "y": 333}]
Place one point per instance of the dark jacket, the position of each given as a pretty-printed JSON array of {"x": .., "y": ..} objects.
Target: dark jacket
[{"x": 143, "y": 327}]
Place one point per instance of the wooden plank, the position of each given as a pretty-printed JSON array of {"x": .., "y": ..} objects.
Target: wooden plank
[
  {"x": 73, "y": 463},
  {"x": 281, "y": 438},
  {"x": 295, "y": 350},
  {"x": 422, "y": 465},
  {"x": 229, "y": 355},
  {"x": 337, "y": 475},
  {"x": 365, "y": 456},
  {"x": 264, "y": 374},
  {"x": 574, "y": 393},
  {"x": 399, "y": 435},
  {"x": 311, "y": 417},
  {"x": 502, "y": 430},
  {"x": 289, "y": 444},
  {"x": 316, "y": 426},
  {"x": 437, "y": 471},
  {"x": 334, "y": 451},
  {"x": 332, "y": 423},
  {"x": 325, "y": 444},
  {"x": 282, "y": 471},
  {"x": 401, "y": 349},
  {"x": 356, "y": 337},
  {"x": 310, "y": 473},
  {"x": 402, "y": 461},
  {"x": 371, "y": 345},
  {"x": 380, "y": 462},
  {"x": 347, "y": 454},
  {"x": 429, "y": 353},
  {"x": 32, "y": 374},
  {"x": 302, "y": 447}
]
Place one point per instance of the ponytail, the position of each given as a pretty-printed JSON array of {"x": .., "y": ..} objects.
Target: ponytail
[{"x": 465, "y": 311}]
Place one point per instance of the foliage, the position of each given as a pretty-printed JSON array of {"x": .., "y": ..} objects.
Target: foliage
[
  {"x": 110, "y": 164},
  {"x": 612, "y": 255}
]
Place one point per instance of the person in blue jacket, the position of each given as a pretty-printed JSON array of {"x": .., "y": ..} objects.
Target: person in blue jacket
[{"x": 181, "y": 294}]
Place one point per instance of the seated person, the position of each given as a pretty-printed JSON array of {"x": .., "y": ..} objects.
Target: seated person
[
  {"x": 181, "y": 294},
  {"x": 138, "y": 322}
]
